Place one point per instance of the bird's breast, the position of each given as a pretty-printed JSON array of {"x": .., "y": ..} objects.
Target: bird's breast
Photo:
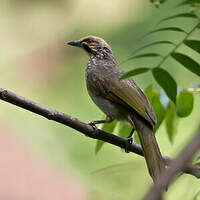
[{"x": 98, "y": 81}]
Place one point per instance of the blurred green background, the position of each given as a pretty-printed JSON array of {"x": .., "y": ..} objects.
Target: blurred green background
[{"x": 36, "y": 64}]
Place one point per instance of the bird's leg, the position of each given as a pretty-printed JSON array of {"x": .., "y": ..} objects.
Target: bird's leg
[
  {"x": 129, "y": 140},
  {"x": 93, "y": 123}
]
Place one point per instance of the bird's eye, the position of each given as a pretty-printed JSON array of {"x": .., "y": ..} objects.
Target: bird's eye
[
  {"x": 86, "y": 47},
  {"x": 84, "y": 43}
]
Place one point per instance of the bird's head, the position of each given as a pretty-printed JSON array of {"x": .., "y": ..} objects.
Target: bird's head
[{"x": 92, "y": 45}]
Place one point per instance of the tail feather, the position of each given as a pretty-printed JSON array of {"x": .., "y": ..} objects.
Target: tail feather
[{"x": 152, "y": 154}]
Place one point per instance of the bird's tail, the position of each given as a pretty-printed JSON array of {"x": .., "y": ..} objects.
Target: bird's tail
[{"x": 151, "y": 151}]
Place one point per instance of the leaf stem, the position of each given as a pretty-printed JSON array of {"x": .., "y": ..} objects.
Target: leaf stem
[{"x": 178, "y": 45}]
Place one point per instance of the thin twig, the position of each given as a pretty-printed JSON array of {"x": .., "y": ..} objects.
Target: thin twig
[{"x": 82, "y": 127}]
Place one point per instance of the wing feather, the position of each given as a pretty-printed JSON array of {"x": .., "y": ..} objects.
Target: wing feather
[
  {"x": 123, "y": 92},
  {"x": 129, "y": 93}
]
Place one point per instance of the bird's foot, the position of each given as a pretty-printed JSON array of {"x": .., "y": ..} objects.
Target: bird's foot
[
  {"x": 93, "y": 124},
  {"x": 128, "y": 141}
]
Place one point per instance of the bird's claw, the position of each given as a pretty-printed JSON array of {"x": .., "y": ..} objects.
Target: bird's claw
[
  {"x": 128, "y": 141},
  {"x": 93, "y": 125}
]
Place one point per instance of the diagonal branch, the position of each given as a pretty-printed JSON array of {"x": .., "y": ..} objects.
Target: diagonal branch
[
  {"x": 175, "y": 167},
  {"x": 82, "y": 127}
]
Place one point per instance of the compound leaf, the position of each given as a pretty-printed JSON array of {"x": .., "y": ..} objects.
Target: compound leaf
[
  {"x": 166, "y": 81},
  {"x": 135, "y": 72},
  {"x": 187, "y": 62},
  {"x": 193, "y": 44}
]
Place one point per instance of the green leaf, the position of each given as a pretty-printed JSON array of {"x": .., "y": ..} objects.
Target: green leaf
[
  {"x": 166, "y": 29},
  {"x": 184, "y": 104},
  {"x": 123, "y": 129},
  {"x": 166, "y": 81},
  {"x": 136, "y": 138},
  {"x": 196, "y": 172},
  {"x": 196, "y": 159},
  {"x": 108, "y": 127},
  {"x": 171, "y": 121},
  {"x": 145, "y": 55},
  {"x": 154, "y": 98},
  {"x": 153, "y": 44},
  {"x": 181, "y": 15},
  {"x": 186, "y": 2},
  {"x": 99, "y": 145},
  {"x": 194, "y": 44},
  {"x": 135, "y": 72},
  {"x": 187, "y": 62}
]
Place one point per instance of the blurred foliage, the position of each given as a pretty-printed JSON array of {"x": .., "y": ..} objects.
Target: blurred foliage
[
  {"x": 184, "y": 104},
  {"x": 171, "y": 121},
  {"x": 154, "y": 98},
  {"x": 108, "y": 128},
  {"x": 35, "y": 64}
]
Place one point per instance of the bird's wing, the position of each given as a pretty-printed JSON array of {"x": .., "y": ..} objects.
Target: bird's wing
[
  {"x": 130, "y": 94},
  {"x": 123, "y": 92}
]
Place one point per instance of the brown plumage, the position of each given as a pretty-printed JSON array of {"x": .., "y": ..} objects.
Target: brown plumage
[{"x": 120, "y": 100}]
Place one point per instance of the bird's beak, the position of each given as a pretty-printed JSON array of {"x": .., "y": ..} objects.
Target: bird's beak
[{"x": 75, "y": 43}]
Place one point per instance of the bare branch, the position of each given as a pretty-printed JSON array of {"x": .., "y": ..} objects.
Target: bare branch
[
  {"x": 82, "y": 127},
  {"x": 175, "y": 167}
]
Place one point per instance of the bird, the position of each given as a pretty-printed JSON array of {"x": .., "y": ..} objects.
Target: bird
[{"x": 120, "y": 99}]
